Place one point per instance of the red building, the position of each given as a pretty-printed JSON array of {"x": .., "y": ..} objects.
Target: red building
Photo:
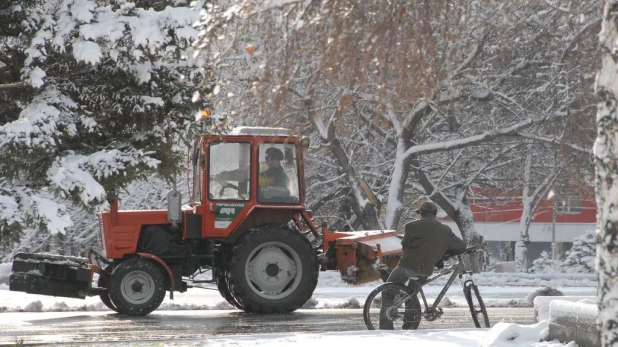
[{"x": 498, "y": 220}]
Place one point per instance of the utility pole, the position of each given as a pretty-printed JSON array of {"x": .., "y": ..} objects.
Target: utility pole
[{"x": 553, "y": 229}]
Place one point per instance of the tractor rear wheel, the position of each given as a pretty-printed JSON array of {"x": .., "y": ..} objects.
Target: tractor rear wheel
[
  {"x": 103, "y": 282},
  {"x": 224, "y": 290},
  {"x": 273, "y": 270},
  {"x": 137, "y": 287}
]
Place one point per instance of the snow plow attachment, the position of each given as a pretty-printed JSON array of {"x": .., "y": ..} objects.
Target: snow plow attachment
[
  {"x": 53, "y": 275},
  {"x": 361, "y": 257}
]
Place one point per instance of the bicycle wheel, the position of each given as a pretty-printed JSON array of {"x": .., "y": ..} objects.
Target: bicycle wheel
[
  {"x": 392, "y": 306},
  {"x": 477, "y": 307}
]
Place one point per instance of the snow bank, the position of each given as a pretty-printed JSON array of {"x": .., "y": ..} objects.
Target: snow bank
[
  {"x": 508, "y": 334},
  {"x": 330, "y": 293},
  {"x": 434, "y": 338},
  {"x": 5, "y": 272},
  {"x": 541, "y": 304}
]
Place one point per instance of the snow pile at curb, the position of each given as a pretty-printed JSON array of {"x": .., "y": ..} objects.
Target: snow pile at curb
[{"x": 510, "y": 334}]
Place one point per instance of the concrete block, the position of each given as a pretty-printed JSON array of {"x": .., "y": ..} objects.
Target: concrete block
[
  {"x": 574, "y": 321},
  {"x": 541, "y": 304}
]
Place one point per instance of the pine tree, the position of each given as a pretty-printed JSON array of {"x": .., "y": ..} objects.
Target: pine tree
[
  {"x": 544, "y": 264},
  {"x": 581, "y": 257},
  {"x": 106, "y": 92}
]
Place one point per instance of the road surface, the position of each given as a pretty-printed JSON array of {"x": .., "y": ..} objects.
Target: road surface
[{"x": 107, "y": 328}]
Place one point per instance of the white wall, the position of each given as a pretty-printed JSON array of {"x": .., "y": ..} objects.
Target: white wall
[{"x": 539, "y": 232}]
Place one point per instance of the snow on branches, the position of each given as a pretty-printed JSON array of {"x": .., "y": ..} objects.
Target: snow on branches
[{"x": 107, "y": 89}]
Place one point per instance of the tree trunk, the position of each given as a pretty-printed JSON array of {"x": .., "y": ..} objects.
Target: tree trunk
[
  {"x": 606, "y": 160},
  {"x": 465, "y": 222},
  {"x": 521, "y": 256},
  {"x": 461, "y": 214},
  {"x": 396, "y": 190},
  {"x": 521, "y": 248}
]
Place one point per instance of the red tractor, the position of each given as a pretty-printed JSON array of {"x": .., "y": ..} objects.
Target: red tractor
[{"x": 246, "y": 225}]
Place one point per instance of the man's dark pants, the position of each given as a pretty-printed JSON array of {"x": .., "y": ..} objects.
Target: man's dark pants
[{"x": 401, "y": 275}]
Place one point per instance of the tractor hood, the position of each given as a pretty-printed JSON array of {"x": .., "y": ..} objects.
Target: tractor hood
[{"x": 136, "y": 217}]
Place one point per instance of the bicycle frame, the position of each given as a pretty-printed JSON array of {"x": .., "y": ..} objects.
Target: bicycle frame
[
  {"x": 457, "y": 271},
  {"x": 401, "y": 295}
]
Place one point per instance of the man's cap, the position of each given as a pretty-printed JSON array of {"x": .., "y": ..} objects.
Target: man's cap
[
  {"x": 274, "y": 153},
  {"x": 428, "y": 207}
]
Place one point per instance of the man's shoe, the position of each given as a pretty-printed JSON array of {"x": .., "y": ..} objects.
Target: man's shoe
[{"x": 386, "y": 325}]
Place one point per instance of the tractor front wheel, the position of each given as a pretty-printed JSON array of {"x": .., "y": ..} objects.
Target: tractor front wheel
[
  {"x": 273, "y": 270},
  {"x": 137, "y": 287}
]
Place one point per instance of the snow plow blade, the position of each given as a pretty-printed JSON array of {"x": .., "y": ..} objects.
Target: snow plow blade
[
  {"x": 361, "y": 257},
  {"x": 48, "y": 274}
]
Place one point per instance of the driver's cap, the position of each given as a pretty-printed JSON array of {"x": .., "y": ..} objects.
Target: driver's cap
[{"x": 428, "y": 207}]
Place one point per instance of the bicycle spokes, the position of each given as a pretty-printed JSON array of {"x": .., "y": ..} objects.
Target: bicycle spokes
[{"x": 392, "y": 306}]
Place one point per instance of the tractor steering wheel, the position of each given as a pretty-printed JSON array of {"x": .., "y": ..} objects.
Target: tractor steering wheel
[
  {"x": 227, "y": 185},
  {"x": 224, "y": 184}
]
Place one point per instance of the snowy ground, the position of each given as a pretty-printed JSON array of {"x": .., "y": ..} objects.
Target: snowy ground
[
  {"x": 496, "y": 289},
  {"x": 502, "y": 334}
]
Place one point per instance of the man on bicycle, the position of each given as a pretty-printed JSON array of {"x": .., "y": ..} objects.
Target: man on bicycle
[{"x": 425, "y": 242}]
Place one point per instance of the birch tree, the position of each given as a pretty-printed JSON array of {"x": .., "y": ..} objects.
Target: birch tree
[
  {"x": 606, "y": 160},
  {"x": 532, "y": 193}
]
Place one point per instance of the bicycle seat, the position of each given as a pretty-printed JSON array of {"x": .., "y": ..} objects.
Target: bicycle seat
[{"x": 418, "y": 279}]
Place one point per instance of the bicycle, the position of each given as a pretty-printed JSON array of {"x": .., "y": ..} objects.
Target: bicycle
[{"x": 404, "y": 308}]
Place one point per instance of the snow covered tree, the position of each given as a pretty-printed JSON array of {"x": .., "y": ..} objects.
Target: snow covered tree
[
  {"x": 606, "y": 160},
  {"x": 108, "y": 94},
  {"x": 400, "y": 109},
  {"x": 581, "y": 257},
  {"x": 545, "y": 264}
]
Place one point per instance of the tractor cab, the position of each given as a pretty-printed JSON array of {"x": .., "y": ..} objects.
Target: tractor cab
[{"x": 248, "y": 177}]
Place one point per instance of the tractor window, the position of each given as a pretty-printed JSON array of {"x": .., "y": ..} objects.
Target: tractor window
[
  {"x": 229, "y": 171},
  {"x": 278, "y": 177}
]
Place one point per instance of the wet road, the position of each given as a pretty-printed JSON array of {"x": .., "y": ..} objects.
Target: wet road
[{"x": 81, "y": 328}]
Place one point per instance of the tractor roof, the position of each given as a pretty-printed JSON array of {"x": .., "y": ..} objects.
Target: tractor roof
[{"x": 261, "y": 131}]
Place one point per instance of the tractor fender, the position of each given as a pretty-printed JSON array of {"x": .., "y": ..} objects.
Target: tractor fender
[
  {"x": 164, "y": 265},
  {"x": 261, "y": 216}
]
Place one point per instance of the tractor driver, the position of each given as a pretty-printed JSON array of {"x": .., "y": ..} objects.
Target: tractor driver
[
  {"x": 273, "y": 182},
  {"x": 275, "y": 175},
  {"x": 425, "y": 242}
]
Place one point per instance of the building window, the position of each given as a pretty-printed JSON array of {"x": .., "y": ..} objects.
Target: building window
[{"x": 568, "y": 206}]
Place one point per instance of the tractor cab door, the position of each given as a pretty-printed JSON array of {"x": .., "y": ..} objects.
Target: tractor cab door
[{"x": 229, "y": 185}]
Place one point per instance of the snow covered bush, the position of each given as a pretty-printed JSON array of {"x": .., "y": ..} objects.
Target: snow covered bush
[
  {"x": 544, "y": 264},
  {"x": 581, "y": 257}
]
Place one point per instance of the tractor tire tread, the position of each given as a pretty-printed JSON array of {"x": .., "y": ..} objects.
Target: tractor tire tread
[
  {"x": 149, "y": 267},
  {"x": 308, "y": 260}
]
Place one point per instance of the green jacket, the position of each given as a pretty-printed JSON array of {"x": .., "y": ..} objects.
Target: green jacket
[{"x": 425, "y": 242}]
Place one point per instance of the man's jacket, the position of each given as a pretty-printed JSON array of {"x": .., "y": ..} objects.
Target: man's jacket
[
  {"x": 425, "y": 242},
  {"x": 274, "y": 176}
]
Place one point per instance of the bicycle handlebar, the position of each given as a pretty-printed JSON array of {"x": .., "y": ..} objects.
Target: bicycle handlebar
[{"x": 468, "y": 250}]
